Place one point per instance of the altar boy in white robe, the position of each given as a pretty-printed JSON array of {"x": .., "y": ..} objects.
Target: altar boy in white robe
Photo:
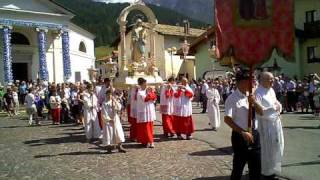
[
  {"x": 213, "y": 97},
  {"x": 91, "y": 121},
  {"x": 145, "y": 114},
  {"x": 132, "y": 113},
  {"x": 112, "y": 129},
  {"x": 183, "y": 123},
  {"x": 166, "y": 108},
  {"x": 270, "y": 128}
]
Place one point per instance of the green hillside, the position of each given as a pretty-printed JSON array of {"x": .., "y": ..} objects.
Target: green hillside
[{"x": 100, "y": 18}]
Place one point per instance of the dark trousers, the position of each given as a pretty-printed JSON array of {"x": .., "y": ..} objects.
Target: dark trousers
[
  {"x": 204, "y": 103},
  {"x": 224, "y": 97},
  {"x": 311, "y": 101},
  {"x": 291, "y": 101},
  {"x": 243, "y": 153}
]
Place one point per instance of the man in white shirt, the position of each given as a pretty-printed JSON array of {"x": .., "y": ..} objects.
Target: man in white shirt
[
  {"x": 270, "y": 128},
  {"x": 245, "y": 141}
]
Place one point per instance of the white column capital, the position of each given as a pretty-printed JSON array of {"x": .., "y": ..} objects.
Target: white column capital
[
  {"x": 39, "y": 29},
  {"x": 3, "y": 26}
]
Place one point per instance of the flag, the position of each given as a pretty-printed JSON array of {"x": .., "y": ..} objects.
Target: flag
[{"x": 250, "y": 30}]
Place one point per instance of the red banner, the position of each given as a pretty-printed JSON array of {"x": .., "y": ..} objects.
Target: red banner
[{"x": 253, "y": 28}]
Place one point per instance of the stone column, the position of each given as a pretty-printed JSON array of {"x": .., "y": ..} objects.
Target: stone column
[
  {"x": 42, "y": 43},
  {"x": 153, "y": 44},
  {"x": 123, "y": 45},
  {"x": 66, "y": 55},
  {"x": 7, "y": 59}
]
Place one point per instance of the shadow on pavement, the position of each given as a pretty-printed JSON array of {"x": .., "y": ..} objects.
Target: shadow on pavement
[
  {"x": 25, "y": 126},
  {"x": 308, "y": 118},
  {"x": 78, "y": 153},
  {"x": 72, "y": 133},
  {"x": 302, "y": 163},
  {"x": 206, "y": 129},
  {"x": 302, "y": 127},
  {"x": 244, "y": 177},
  {"x": 13, "y": 127},
  {"x": 214, "y": 152},
  {"x": 60, "y": 140},
  {"x": 64, "y": 125},
  {"x": 74, "y": 129}
]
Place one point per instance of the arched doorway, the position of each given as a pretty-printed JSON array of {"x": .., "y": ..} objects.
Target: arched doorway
[{"x": 21, "y": 57}]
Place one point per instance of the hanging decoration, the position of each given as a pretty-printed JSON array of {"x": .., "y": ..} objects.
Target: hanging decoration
[
  {"x": 7, "y": 59},
  {"x": 42, "y": 41},
  {"x": 253, "y": 29},
  {"x": 249, "y": 31},
  {"x": 66, "y": 55}
]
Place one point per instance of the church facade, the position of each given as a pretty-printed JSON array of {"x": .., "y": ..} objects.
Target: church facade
[{"x": 38, "y": 41}]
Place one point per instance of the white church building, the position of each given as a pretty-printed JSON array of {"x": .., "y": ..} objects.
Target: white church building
[{"x": 38, "y": 41}]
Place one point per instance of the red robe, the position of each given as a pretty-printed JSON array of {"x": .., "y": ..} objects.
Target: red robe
[
  {"x": 183, "y": 123},
  {"x": 145, "y": 125},
  {"x": 166, "y": 108}
]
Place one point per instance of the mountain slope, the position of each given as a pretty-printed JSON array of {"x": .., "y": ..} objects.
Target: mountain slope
[
  {"x": 198, "y": 9},
  {"x": 100, "y": 18}
]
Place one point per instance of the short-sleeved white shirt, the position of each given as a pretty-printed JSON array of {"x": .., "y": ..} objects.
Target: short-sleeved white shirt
[{"x": 236, "y": 107}]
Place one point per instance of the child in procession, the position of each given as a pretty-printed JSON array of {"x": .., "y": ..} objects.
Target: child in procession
[{"x": 112, "y": 129}]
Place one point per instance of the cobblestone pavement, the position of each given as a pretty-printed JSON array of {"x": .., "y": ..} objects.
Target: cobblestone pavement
[{"x": 61, "y": 152}]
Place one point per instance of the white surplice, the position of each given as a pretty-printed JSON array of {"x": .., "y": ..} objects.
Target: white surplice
[
  {"x": 183, "y": 104},
  {"x": 112, "y": 129},
  {"x": 133, "y": 102},
  {"x": 91, "y": 122},
  {"x": 145, "y": 110},
  {"x": 271, "y": 133},
  {"x": 166, "y": 103},
  {"x": 213, "y": 107}
]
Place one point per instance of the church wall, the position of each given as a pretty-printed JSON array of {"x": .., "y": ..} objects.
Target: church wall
[
  {"x": 309, "y": 68},
  {"x": 301, "y": 6},
  {"x": 81, "y": 61},
  {"x": 204, "y": 62}
]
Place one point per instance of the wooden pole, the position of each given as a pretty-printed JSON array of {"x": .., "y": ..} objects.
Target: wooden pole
[{"x": 250, "y": 104}]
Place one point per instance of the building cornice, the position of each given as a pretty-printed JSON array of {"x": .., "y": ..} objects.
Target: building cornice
[{"x": 36, "y": 13}]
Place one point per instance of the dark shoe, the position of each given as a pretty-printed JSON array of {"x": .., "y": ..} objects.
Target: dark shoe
[
  {"x": 189, "y": 137},
  {"x": 121, "y": 149},
  {"x": 180, "y": 137},
  {"x": 272, "y": 177},
  {"x": 151, "y": 145},
  {"x": 109, "y": 149}
]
